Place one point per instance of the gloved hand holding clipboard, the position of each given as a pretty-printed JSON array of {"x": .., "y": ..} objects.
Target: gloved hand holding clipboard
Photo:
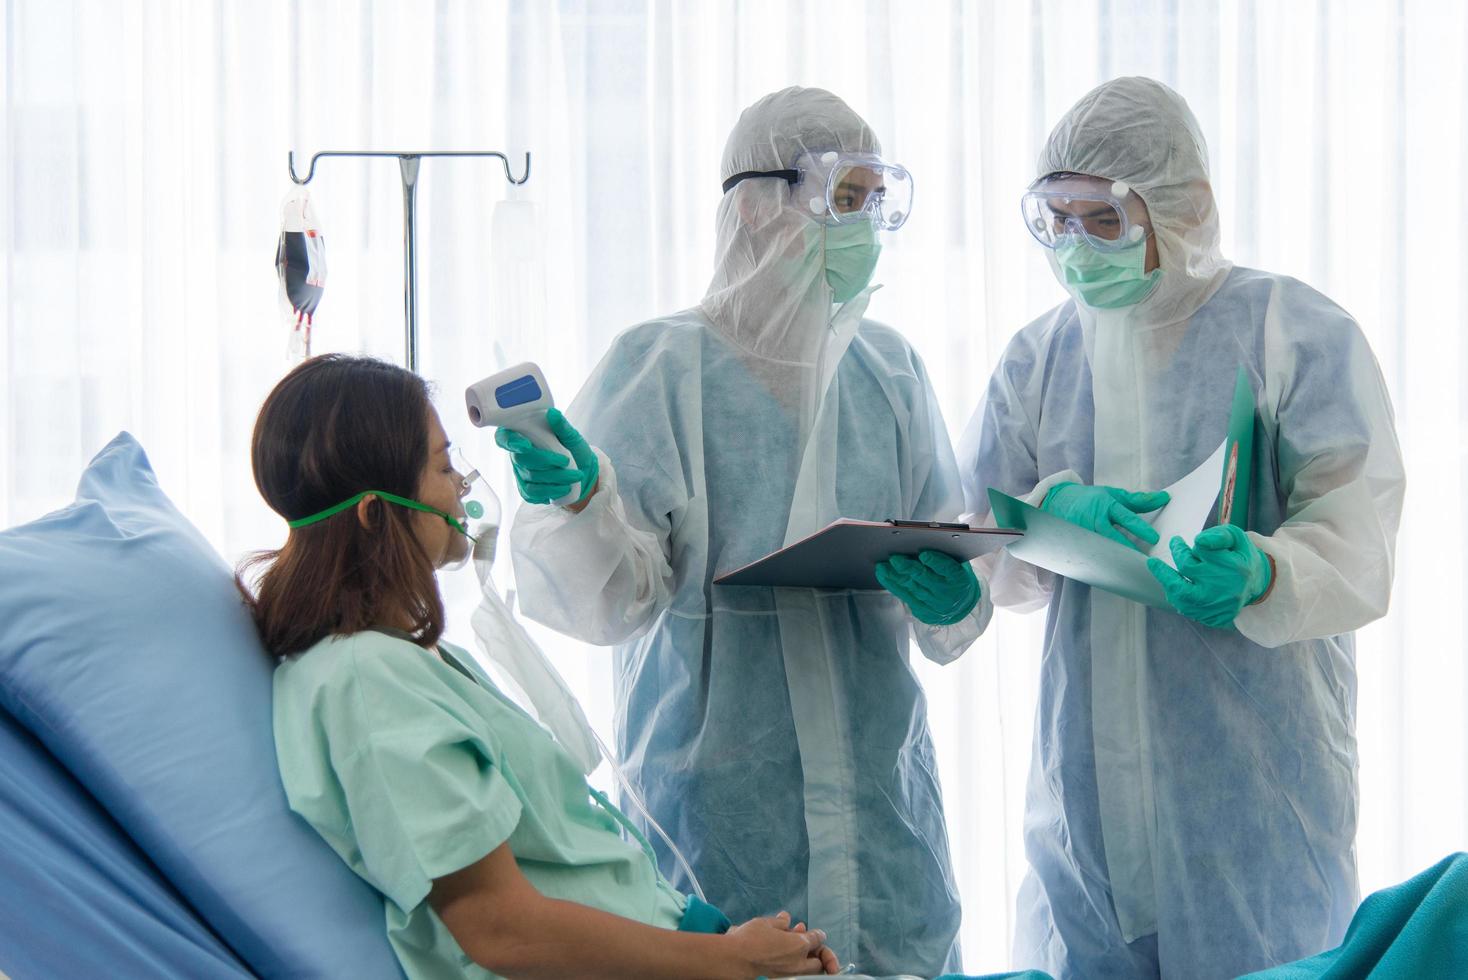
[{"x": 845, "y": 553}]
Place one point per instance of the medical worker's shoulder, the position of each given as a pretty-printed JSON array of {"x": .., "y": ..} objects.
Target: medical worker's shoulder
[
  {"x": 886, "y": 342},
  {"x": 1045, "y": 330},
  {"x": 1034, "y": 345},
  {"x": 878, "y": 333},
  {"x": 663, "y": 336},
  {"x": 1298, "y": 312},
  {"x": 655, "y": 354}
]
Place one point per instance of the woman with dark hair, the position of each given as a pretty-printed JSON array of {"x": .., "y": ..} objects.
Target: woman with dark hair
[{"x": 489, "y": 847}]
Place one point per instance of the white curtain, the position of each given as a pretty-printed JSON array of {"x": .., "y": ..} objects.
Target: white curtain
[{"x": 145, "y": 161}]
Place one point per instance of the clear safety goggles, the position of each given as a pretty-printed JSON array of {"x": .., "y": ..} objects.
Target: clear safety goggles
[
  {"x": 844, "y": 188},
  {"x": 1068, "y": 209}
]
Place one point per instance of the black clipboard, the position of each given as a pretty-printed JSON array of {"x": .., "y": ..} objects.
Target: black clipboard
[{"x": 844, "y": 554}]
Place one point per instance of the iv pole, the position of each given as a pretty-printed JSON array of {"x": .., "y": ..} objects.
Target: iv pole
[{"x": 408, "y": 161}]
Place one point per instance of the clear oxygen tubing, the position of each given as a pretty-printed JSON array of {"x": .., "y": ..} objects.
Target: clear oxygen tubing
[
  {"x": 631, "y": 794},
  {"x": 485, "y": 538}
]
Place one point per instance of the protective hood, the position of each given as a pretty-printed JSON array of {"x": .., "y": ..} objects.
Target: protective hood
[
  {"x": 769, "y": 293},
  {"x": 1140, "y": 131}
]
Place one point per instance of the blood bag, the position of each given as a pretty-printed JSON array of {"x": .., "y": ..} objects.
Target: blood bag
[{"x": 300, "y": 264}]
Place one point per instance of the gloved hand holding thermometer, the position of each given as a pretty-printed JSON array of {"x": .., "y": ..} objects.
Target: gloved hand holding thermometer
[{"x": 553, "y": 463}]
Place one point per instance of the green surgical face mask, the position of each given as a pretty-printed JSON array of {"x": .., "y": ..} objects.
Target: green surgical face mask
[
  {"x": 851, "y": 258},
  {"x": 1106, "y": 280}
]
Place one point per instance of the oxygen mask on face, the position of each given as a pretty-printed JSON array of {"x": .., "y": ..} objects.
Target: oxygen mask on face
[{"x": 483, "y": 510}]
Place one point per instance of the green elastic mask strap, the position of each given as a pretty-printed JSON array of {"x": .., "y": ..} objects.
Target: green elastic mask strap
[{"x": 391, "y": 498}]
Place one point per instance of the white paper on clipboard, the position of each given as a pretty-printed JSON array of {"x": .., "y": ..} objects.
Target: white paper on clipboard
[{"x": 1079, "y": 553}]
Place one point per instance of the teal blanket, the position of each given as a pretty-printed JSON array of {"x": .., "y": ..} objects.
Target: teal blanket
[{"x": 1416, "y": 929}]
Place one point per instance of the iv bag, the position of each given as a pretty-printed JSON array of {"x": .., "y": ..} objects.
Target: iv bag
[
  {"x": 518, "y": 300},
  {"x": 300, "y": 264}
]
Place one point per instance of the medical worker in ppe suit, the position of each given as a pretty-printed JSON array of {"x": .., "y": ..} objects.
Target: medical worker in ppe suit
[
  {"x": 1192, "y": 800},
  {"x": 779, "y": 735}
]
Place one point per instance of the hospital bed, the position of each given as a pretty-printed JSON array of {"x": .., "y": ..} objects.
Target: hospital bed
[
  {"x": 78, "y": 896},
  {"x": 143, "y": 828}
]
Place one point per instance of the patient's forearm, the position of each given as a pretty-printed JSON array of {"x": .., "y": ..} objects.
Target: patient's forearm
[
  {"x": 557, "y": 939},
  {"x": 505, "y": 925}
]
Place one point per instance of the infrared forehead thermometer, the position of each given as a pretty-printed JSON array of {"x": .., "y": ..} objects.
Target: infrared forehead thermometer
[{"x": 517, "y": 398}]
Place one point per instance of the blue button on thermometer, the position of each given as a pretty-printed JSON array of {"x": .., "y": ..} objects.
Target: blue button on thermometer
[{"x": 517, "y": 398}]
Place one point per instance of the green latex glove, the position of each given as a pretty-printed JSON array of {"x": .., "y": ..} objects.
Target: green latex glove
[
  {"x": 938, "y": 590},
  {"x": 1219, "y": 575},
  {"x": 1106, "y": 510},
  {"x": 544, "y": 476}
]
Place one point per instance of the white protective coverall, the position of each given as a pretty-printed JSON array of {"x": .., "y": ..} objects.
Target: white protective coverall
[
  {"x": 1192, "y": 801},
  {"x": 779, "y": 735}
]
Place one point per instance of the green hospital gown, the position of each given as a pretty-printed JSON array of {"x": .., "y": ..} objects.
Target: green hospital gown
[{"x": 411, "y": 769}]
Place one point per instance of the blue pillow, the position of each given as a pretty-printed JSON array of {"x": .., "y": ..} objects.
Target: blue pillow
[
  {"x": 126, "y": 650},
  {"x": 79, "y": 899}
]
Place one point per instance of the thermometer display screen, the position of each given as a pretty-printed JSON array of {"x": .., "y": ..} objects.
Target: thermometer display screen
[{"x": 521, "y": 391}]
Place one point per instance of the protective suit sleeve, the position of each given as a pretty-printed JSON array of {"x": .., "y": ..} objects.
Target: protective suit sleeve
[
  {"x": 945, "y": 644},
  {"x": 939, "y": 496},
  {"x": 594, "y": 575},
  {"x": 1340, "y": 470},
  {"x": 998, "y": 449}
]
